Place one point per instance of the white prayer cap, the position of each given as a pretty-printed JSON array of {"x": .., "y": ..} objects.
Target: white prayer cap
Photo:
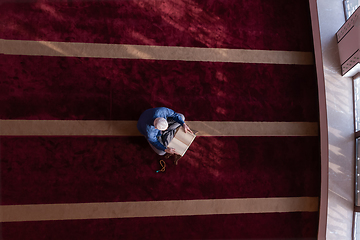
[{"x": 161, "y": 123}]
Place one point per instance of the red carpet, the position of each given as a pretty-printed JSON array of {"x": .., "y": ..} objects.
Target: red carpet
[
  {"x": 82, "y": 169},
  {"x": 54, "y": 169},
  {"x": 235, "y": 226},
  {"x": 114, "y": 89},
  {"x": 270, "y": 25}
]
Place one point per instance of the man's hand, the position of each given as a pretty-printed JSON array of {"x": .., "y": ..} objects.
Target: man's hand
[
  {"x": 170, "y": 150},
  {"x": 186, "y": 128}
]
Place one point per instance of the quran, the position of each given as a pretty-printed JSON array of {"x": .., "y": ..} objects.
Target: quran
[{"x": 181, "y": 141}]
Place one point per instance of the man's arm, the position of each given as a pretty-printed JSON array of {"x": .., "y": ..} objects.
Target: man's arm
[
  {"x": 174, "y": 115},
  {"x": 152, "y": 137},
  {"x": 159, "y": 146},
  {"x": 186, "y": 128},
  {"x": 155, "y": 142}
]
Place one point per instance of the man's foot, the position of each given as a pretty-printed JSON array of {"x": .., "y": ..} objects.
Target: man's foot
[
  {"x": 176, "y": 158},
  {"x": 168, "y": 155}
]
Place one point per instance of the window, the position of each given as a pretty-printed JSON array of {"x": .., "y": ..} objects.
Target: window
[
  {"x": 350, "y": 6},
  {"x": 357, "y": 225},
  {"x": 356, "y": 82}
]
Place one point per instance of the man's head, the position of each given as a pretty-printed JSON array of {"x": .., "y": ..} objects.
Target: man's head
[{"x": 161, "y": 123}]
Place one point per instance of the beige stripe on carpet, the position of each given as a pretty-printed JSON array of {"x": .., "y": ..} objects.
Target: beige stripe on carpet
[
  {"x": 41, "y": 212},
  {"x": 128, "y": 128},
  {"x": 126, "y": 51}
]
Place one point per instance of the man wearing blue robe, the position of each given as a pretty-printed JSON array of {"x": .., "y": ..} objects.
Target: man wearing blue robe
[{"x": 159, "y": 125}]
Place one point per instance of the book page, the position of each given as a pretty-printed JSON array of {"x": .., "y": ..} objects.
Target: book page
[
  {"x": 179, "y": 146},
  {"x": 186, "y": 138}
]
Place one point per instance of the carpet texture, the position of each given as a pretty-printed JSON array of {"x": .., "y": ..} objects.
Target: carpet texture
[
  {"x": 121, "y": 89},
  {"x": 269, "y": 25},
  {"x": 83, "y": 169},
  {"x": 235, "y": 226},
  {"x": 80, "y": 169}
]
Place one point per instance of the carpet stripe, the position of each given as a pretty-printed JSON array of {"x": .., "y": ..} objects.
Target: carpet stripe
[
  {"x": 128, "y": 128},
  {"x": 124, "y": 51},
  {"x": 42, "y": 212}
]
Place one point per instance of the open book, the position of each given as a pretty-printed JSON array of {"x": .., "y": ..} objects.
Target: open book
[{"x": 182, "y": 141}]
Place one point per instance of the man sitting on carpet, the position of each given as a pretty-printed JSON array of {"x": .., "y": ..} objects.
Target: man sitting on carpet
[{"x": 159, "y": 125}]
